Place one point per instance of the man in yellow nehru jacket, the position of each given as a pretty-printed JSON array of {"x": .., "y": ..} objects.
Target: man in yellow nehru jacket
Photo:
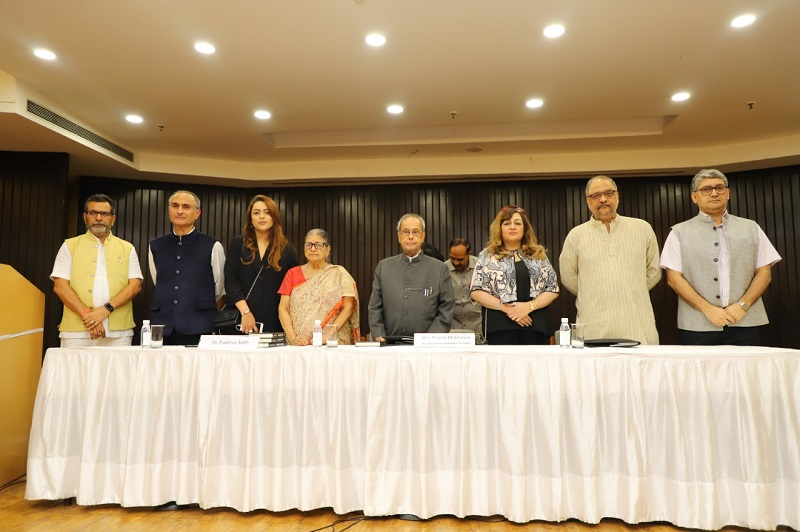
[{"x": 96, "y": 275}]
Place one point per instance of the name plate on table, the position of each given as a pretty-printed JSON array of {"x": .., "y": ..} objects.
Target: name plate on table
[
  {"x": 228, "y": 341},
  {"x": 444, "y": 339}
]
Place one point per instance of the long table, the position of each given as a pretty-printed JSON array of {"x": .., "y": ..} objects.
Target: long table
[{"x": 699, "y": 437}]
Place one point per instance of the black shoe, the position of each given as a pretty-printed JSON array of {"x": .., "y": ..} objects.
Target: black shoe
[
  {"x": 409, "y": 517},
  {"x": 170, "y": 506}
]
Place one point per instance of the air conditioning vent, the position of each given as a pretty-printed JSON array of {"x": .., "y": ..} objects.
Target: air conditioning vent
[{"x": 82, "y": 132}]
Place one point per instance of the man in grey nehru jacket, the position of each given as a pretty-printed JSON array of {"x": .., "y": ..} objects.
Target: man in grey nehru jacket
[
  {"x": 719, "y": 265},
  {"x": 610, "y": 263},
  {"x": 411, "y": 292}
]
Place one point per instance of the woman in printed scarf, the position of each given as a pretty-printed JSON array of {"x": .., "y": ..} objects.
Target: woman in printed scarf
[
  {"x": 514, "y": 282},
  {"x": 318, "y": 290}
]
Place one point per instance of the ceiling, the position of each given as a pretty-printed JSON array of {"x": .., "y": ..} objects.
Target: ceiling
[{"x": 462, "y": 69}]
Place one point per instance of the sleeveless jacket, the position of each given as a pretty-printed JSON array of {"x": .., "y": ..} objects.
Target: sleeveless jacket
[
  {"x": 700, "y": 261},
  {"x": 184, "y": 299},
  {"x": 117, "y": 253}
]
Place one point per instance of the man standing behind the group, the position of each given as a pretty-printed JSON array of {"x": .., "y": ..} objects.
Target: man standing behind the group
[
  {"x": 610, "y": 263},
  {"x": 187, "y": 269},
  {"x": 411, "y": 292},
  {"x": 719, "y": 265},
  {"x": 467, "y": 313},
  {"x": 96, "y": 275}
]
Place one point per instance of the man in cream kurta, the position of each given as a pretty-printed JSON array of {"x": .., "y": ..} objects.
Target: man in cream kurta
[{"x": 610, "y": 263}]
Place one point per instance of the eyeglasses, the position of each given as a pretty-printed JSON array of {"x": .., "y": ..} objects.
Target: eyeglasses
[
  {"x": 513, "y": 208},
  {"x": 415, "y": 232},
  {"x": 316, "y": 245},
  {"x": 706, "y": 191},
  {"x": 597, "y": 195},
  {"x": 104, "y": 214}
]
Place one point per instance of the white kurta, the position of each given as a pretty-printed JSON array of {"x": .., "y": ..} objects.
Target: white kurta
[{"x": 611, "y": 274}]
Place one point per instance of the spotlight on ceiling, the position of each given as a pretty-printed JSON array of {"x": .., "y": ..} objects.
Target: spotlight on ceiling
[
  {"x": 41, "y": 53},
  {"x": 375, "y": 39},
  {"x": 743, "y": 20},
  {"x": 554, "y": 31},
  {"x": 205, "y": 48}
]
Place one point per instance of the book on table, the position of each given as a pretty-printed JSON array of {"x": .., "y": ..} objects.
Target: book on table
[
  {"x": 271, "y": 344},
  {"x": 270, "y": 335}
]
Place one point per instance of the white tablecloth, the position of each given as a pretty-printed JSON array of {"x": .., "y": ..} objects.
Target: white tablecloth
[{"x": 699, "y": 437}]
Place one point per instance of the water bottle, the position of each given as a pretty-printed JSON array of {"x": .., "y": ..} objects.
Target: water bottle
[
  {"x": 145, "y": 338},
  {"x": 316, "y": 337},
  {"x": 564, "y": 333}
]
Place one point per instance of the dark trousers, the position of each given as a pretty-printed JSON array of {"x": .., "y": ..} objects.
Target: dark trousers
[
  {"x": 181, "y": 339},
  {"x": 727, "y": 336},
  {"x": 526, "y": 336}
]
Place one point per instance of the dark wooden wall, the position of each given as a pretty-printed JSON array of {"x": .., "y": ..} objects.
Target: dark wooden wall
[
  {"x": 33, "y": 222},
  {"x": 361, "y": 221}
]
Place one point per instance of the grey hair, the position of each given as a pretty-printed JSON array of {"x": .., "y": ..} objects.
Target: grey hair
[
  {"x": 597, "y": 177},
  {"x": 324, "y": 236},
  {"x": 320, "y": 233},
  {"x": 192, "y": 194},
  {"x": 410, "y": 215},
  {"x": 707, "y": 173}
]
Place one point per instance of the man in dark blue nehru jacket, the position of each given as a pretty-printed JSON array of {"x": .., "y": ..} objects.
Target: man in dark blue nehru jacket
[{"x": 187, "y": 268}]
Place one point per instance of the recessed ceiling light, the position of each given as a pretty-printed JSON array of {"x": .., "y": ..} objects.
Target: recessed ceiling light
[
  {"x": 134, "y": 119},
  {"x": 681, "y": 96},
  {"x": 554, "y": 30},
  {"x": 743, "y": 20},
  {"x": 262, "y": 115},
  {"x": 395, "y": 109},
  {"x": 205, "y": 47},
  {"x": 534, "y": 103},
  {"x": 375, "y": 39},
  {"x": 41, "y": 53}
]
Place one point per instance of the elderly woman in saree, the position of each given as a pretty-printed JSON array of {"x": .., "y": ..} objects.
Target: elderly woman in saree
[{"x": 318, "y": 290}]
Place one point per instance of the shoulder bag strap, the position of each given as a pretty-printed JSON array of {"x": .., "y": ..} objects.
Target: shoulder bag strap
[{"x": 254, "y": 282}]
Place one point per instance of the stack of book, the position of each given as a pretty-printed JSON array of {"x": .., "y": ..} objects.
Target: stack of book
[{"x": 273, "y": 339}]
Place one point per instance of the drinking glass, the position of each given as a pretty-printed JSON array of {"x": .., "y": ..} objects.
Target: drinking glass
[
  {"x": 330, "y": 334},
  {"x": 577, "y": 334},
  {"x": 156, "y": 336}
]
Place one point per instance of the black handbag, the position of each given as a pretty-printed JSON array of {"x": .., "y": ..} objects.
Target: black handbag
[{"x": 229, "y": 317}]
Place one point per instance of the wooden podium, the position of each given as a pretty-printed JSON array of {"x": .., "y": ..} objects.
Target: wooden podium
[{"x": 21, "y": 334}]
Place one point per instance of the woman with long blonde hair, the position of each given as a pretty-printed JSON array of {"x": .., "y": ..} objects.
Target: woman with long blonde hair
[
  {"x": 514, "y": 282},
  {"x": 259, "y": 258}
]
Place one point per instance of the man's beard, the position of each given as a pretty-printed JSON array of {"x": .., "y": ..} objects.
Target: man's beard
[{"x": 98, "y": 229}]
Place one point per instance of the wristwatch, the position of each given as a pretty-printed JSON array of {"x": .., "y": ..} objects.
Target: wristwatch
[
  {"x": 744, "y": 305},
  {"x": 109, "y": 307}
]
